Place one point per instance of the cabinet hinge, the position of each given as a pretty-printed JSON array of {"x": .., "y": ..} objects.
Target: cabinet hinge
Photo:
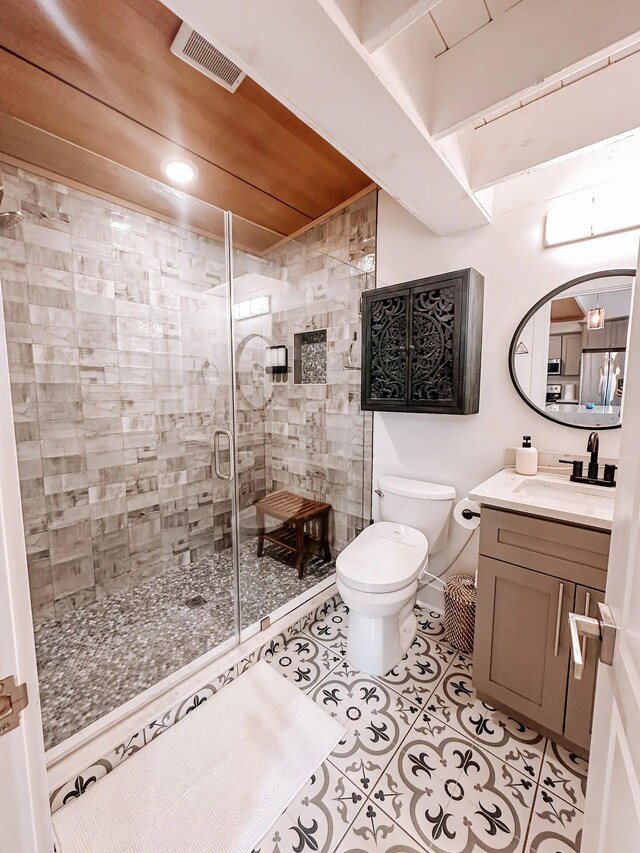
[{"x": 13, "y": 699}]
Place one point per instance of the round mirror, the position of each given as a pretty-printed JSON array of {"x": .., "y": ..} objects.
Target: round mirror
[{"x": 567, "y": 356}]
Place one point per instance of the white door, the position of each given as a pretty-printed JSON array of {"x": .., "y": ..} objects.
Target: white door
[
  {"x": 612, "y": 815},
  {"x": 25, "y": 825}
]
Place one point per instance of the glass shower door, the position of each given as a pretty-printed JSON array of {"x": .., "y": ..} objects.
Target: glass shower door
[
  {"x": 303, "y": 446},
  {"x": 120, "y": 379}
]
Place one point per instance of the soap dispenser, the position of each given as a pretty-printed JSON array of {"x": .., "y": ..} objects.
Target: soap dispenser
[{"x": 526, "y": 457}]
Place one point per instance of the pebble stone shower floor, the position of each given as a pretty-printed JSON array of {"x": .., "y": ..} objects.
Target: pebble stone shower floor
[
  {"x": 94, "y": 659},
  {"x": 425, "y": 765}
]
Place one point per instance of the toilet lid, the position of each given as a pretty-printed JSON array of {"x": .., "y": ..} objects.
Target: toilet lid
[{"x": 384, "y": 557}]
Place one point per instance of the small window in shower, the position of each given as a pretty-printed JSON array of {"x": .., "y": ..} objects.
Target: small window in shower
[{"x": 310, "y": 358}]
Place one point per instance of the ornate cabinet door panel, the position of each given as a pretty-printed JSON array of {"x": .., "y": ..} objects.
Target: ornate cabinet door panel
[
  {"x": 434, "y": 348},
  {"x": 385, "y": 366},
  {"x": 422, "y": 344}
]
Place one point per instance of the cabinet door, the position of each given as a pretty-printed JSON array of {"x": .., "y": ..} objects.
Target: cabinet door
[
  {"x": 580, "y": 694},
  {"x": 385, "y": 379},
  {"x": 617, "y": 338},
  {"x": 594, "y": 338},
  {"x": 555, "y": 346},
  {"x": 434, "y": 349},
  {"x": 522, "y": 645},
  {"x": 422, "y": 345},
  {"x": 571, "y": 354}
]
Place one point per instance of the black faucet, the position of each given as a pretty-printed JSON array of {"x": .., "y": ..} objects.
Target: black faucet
[
  {"x": 609, "y": 476},
  {"x": 593, "y": 445}
]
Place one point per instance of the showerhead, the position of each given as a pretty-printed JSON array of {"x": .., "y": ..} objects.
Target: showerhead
[{"x": 11, "y": 218}]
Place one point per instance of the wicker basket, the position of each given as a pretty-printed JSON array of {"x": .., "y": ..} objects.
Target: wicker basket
[{"x": 460, "y": 611}]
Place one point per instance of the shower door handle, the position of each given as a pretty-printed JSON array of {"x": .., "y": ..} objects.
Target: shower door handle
[{"x": 216, "y": 454}]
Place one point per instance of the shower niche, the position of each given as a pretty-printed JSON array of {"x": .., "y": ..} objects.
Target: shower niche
[{"x": 310, "y": 358}]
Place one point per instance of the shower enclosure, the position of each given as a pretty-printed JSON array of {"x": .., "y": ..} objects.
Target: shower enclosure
[{"x": 163, "y": 381}]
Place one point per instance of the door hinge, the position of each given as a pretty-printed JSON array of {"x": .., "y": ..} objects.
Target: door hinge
[{"x": 13, "y": 699}]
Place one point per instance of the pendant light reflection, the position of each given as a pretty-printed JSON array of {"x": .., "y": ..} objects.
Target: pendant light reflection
[{"x": 595, "y": 318}]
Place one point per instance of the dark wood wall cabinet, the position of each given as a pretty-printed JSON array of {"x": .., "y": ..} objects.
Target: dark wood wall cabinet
[
  {"x": 422, "y": 344},
  {"x": 532, "y": 573}
]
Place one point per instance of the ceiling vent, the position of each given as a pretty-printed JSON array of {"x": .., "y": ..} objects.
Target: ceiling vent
[{"x": 201, "y": 54}]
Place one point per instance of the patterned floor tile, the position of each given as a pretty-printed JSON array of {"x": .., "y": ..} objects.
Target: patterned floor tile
[
  {"x": 376, "y": 719},
  {"x": 462, "y": 826},
  {"x": 318, "y": 817},
  {"x": 425, "y": 765},
  {"x": 332, "y": 630},
  {"x": 556, "y": 827},
  {"x": 565, "y": 774},
  {"x": 503, "y": 798},
  {"x": 453, "y": 796},
  {"x": 420, "y": 669},
  {"x": 304, "y": 661},
  {"x": 372, "y": 830},
  {"x": 455, "y": 702},
  {"x": 344, "y": 689},
  {"x": 430, "y": 622}
]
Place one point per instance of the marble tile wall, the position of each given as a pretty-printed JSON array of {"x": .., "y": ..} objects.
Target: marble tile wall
[
  {"x": 117, "y": 339},
  {"x": 318, "y": 441},
  {"x": 118, "y": 377}
]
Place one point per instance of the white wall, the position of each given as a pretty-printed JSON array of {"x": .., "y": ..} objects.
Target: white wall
[{"x": 464, "y": 450}]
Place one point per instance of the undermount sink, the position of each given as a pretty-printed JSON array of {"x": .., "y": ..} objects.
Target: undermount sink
[
  {"x": 550, "y": 496},
  {"x": 589, "y": 497}
]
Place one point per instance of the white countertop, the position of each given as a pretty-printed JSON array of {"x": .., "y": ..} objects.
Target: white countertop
[{"x": 549, "y": 496}]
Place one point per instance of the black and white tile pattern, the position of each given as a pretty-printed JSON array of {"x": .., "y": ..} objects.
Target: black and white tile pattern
[{"x": 425, "y": 765}]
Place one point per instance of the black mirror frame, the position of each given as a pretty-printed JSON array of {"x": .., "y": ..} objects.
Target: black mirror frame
[{"x": 516, "y": 337}]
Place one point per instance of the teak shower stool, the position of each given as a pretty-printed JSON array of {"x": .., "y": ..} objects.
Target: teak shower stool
[{"x": 299, "y": 515}]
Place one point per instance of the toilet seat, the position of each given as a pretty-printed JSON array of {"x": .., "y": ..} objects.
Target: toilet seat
[{"x": 386, "y": 556}]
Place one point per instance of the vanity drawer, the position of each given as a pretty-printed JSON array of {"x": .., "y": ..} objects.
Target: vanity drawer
[{"x": 577, "y": 554}]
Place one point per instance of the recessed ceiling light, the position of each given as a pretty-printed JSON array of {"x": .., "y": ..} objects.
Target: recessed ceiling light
[{"x": 178, "y": 171}]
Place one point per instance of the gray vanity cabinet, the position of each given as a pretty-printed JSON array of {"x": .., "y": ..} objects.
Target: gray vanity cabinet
[
  {"x": 532, "y": 572},
  {"x": 523, "y": 663}
]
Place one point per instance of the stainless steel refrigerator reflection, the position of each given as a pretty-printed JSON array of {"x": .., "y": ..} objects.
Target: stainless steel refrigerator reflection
[{"x": 602, "y": 377}]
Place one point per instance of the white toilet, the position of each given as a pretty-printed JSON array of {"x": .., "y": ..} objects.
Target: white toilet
[{"x": 378, "y": 573}]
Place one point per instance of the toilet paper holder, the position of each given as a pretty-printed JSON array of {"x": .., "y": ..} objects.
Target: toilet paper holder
[{"x": 468, "y": 514}]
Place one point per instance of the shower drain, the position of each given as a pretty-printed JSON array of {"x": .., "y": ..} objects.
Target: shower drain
[{"x": 196, "y": 601}]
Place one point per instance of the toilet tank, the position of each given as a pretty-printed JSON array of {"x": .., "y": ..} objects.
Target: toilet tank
[{"x": 426, "y": 506}]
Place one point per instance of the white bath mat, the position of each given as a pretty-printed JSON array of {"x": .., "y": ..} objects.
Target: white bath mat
[{"x": 213, "y": 783}]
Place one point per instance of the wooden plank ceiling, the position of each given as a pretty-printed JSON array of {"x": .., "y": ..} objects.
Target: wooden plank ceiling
[
  {"x": 89, "y": 90},
  {"x": 566, "y": 309}
]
